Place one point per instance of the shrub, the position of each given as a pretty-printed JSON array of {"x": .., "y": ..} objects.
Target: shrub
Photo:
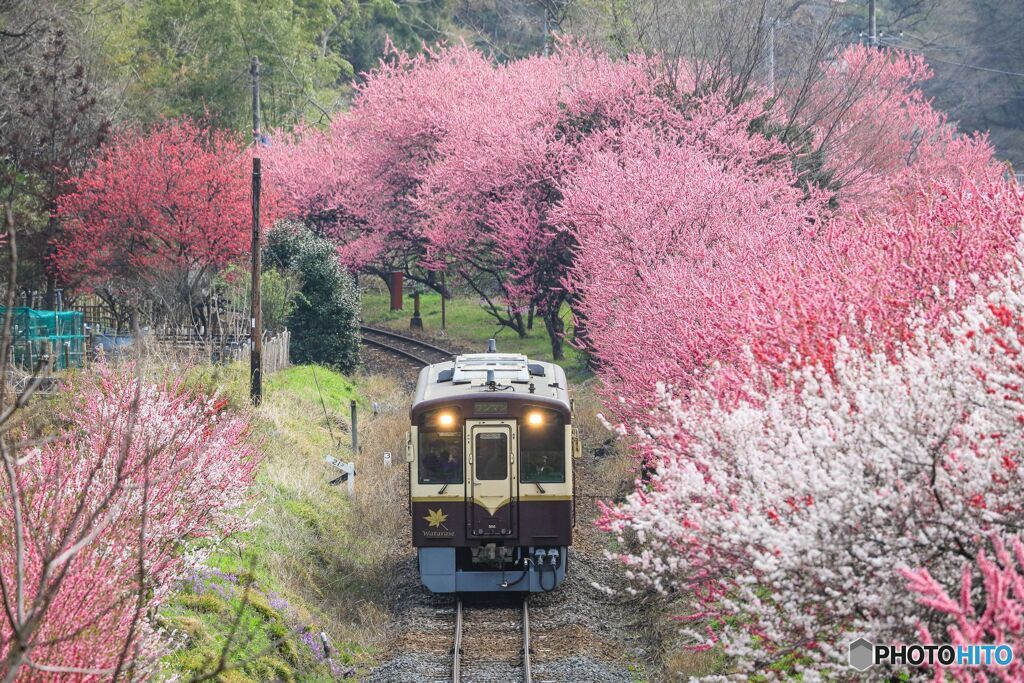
[{"x": 324, "y": 321}]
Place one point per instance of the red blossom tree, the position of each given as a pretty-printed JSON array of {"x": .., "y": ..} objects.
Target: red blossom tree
[{"x": 157, "y": 213}]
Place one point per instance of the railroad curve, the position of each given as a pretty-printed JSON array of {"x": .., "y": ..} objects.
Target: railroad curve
[{"x": 408, "y": 348}]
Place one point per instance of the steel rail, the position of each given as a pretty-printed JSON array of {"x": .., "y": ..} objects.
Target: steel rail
[
  {"x": 397, "y": 351},
  {"x": 457, "y": 647},
  {"x": 409, "y": 355},
  {"x": 526, "y": 639},
  {"x": 407, "y": 339}
]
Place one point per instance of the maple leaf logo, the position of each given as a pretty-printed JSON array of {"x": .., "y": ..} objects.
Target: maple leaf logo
[{"x": 436, "y": 517}]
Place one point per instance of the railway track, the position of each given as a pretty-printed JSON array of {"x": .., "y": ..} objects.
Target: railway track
[
  {"x": 408, "y": 348},
  {"x": 488, "y": 636}
]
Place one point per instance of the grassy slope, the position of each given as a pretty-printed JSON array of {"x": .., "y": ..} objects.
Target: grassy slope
[
  {"x": 292, "y": 567},
  {"x": 470, "y": 325}
]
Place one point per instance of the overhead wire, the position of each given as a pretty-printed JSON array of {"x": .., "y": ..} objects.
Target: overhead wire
[
  {"x": 976, "y": 67},
  {"x": 327, "y": 417}
]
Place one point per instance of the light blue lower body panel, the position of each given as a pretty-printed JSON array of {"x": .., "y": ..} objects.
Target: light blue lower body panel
[
  {"x": 437, "y": 569},
  {"x": 439, "y": 575}
]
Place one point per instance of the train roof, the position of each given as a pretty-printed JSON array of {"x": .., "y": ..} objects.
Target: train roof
[{"x": 513, "y": 374}]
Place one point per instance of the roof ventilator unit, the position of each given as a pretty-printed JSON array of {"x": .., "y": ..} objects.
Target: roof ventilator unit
[{"x": 504, "y": 369}]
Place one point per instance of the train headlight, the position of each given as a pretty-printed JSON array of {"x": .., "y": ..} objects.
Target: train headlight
[
  {"x": 535, "y": 418},
  {"x": 446, "y": 420}
]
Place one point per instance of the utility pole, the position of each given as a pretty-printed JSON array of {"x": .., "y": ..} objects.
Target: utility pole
[
  {"x": 547, "y": 29},
  {"x": 872, "y": 24},
  {"x": 254, "y": 71},
  {"x": 256, "y": 322}
]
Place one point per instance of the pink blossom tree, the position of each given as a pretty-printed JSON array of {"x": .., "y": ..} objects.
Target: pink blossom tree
[
  {"x": 357, "y": 181},
  {"x": 498, "y": 173},
  {"x": 717, "y": 261},
  {"x": 674, "y": 246},
  {"x": 448, "y": 161},
  {"x": 101, "y": 518},
  {"x": 782, "y": 271},
  {"x": 878, "y": 134},
  {"x": 1001, "y": 620}
]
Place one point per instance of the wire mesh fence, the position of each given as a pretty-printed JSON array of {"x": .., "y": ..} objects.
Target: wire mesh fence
[{"x": 35, "y": 333}]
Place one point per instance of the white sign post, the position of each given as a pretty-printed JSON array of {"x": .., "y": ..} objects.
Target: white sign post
[
  {"x": 348, "y": 470},
  {"x": 387, "y": 458}
]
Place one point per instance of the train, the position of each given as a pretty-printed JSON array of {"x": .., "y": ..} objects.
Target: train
[{"x": 491, "y": 451}]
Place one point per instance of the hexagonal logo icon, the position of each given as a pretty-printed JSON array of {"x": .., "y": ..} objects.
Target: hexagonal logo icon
[{"x": 862, "y": 654}]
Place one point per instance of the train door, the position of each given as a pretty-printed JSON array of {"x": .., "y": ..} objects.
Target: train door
[{"x": 492, "y": 447}]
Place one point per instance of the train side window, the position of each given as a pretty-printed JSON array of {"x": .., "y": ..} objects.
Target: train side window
[
  {"x": 440, "y": 448},
  {"x": 542, "y": 447},
  {"x": 491, "y": 456}
]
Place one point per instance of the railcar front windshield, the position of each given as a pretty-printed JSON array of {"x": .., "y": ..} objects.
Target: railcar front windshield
[
  {"x": 491, "y": 456},
  {"x": 440, "y": 447},
  {"x": 542, "y": 445}
]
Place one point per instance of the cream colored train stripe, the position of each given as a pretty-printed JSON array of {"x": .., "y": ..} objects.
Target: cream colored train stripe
[{"x": 443, "y": 499}]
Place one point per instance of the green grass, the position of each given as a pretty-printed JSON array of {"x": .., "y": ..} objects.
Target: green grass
[
  {"x": 471, "y": 325},
  {"x": 296, "y": 570},
  {"x": 300, "y": 382}
]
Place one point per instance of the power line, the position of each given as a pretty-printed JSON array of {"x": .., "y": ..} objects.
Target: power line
[{"x": 966, "y": 66}]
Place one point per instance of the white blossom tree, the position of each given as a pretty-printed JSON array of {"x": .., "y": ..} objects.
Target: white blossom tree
[{"x": 791, "y": 514}]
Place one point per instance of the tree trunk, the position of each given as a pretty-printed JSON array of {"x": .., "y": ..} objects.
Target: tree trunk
[
  {"x": 579, "y": 338},
  {"x": 556, "y": 331},
  {"x": 14, "y": 660},
  {"x": 529, "y": 316},
  {"x": 509, "y": 319},
  {"x": 518, "y": 326}
]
